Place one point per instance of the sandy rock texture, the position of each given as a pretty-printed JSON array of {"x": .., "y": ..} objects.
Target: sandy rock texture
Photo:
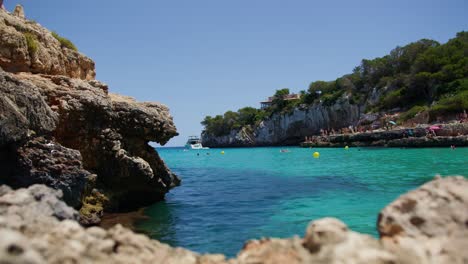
[
  {"x": 23, "y": 109},
  {"x": 28, "y": 47},
  {"x": 53, "y": 235},
  {"x": 429, "y": 224}
]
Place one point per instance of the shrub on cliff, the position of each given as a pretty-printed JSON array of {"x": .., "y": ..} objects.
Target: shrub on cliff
[
  {"x": 31, "y": 41},
  {"x": 412, "y": 112},
  {"x": 64, "y": 41},
  {"x": 450, "y": 105}
]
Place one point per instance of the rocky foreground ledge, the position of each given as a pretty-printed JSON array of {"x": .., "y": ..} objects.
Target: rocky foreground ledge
[
  {"x": 62, "y": 128},
  {"x": 427, "y": 225}
]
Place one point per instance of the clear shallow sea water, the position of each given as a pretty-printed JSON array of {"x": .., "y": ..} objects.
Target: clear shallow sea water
[{"x": 224, "y": 200}]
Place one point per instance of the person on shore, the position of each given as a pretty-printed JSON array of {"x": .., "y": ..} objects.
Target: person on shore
[{"x": 463, "y": 117}]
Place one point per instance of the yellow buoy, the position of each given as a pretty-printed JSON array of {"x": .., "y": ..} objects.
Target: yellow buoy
[
  {"x": 346, "y": 147},
  {"x": 222, "y": 152},
  {"x": 316, "y": 155}
]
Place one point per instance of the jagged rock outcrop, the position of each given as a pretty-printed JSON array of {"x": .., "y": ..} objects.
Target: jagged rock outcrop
[
  {"x": 28, "y": 47},
  {"x": 36, "y": 227},
  {"x": 62, "y": 128},
  {"x": 110, "y": 132},
  {"x": 19, "y": 11},
  {"x": 44, "y": 161},
  {"x": 429, "y": 224},
  {"x": 22, "y": 110},
  {"x": 26, "y": 158},
  {"x": 243, "y": 137},
  {"x": 290, "y": 128}
]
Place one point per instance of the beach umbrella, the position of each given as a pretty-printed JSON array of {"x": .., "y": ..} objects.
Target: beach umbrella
[
  {"x": 392, "y": 122},
  {"x": 434, "y": 127}
]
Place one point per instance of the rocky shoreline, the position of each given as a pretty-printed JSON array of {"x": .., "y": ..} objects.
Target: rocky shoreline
[
  {"x": 426, "y": 225},
  {"x": 455, "y": 134},
  {"x": 62, "y": 128}
]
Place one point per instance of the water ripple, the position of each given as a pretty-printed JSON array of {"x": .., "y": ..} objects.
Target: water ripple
[{"x": 227, "y": 199}]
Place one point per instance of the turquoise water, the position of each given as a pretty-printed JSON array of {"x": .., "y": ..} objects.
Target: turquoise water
[{"x": 224, "y": 200}]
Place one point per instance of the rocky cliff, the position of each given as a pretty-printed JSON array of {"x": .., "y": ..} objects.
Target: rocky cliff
[
  {"x": 427, "y": 225},
  {"x": 290, "y": 128},
  {"x": 62, "y": 128},
  {"x": 410, "y": 85},
  {"x": 26, "y": 46}
]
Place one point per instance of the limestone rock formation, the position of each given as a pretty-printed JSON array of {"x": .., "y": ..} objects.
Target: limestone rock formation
[
  {"x": 243, "y": 137},
  {"x": 28, "y": 47},
  {"x": 19, "y": 11},
  {"x": 23, "y": 110},
  {"x": 429, "y": 224},
  {"x": 413, "y": 214},
  {"x": 290, "y": 128},
  {"x": 327, "y": 240},
  {"x": 27, "y": 159},
  {"x": 111, "y": 133},
  {"x": 44, "y": 161},
  {"x": 62, "y": 128}
]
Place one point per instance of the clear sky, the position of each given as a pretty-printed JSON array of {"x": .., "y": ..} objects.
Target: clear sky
[{"x": 205, "y": 57}]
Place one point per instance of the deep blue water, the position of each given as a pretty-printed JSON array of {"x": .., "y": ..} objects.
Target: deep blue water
[{"x": 248, "y": 193}]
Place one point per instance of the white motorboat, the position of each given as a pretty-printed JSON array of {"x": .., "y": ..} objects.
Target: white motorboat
[{"x": 194, "y": 142}]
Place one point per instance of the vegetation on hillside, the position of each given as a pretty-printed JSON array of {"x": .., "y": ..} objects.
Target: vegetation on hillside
[
  {"x": 64, "y": 41},
  {"x": 31, "y": 42},
  {"x": 421, "y": 76},
  {"x": 223, "y": 124}
]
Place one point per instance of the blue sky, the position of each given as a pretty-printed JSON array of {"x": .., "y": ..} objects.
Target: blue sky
[{"x": 206, "y": 57}]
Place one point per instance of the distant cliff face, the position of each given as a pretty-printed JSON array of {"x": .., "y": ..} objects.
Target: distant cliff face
[
  {"x": 62, "y": 128},
  {"x": 290, "y": 128}
]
